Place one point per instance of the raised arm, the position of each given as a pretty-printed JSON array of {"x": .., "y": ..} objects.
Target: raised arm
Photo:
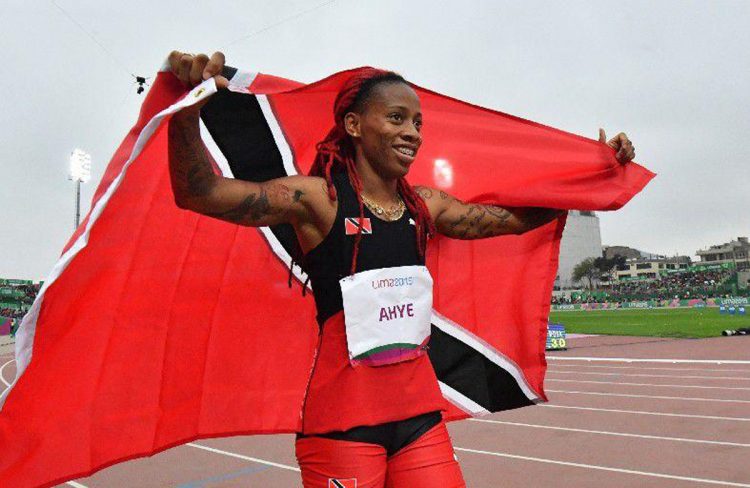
[
  {"x": 196, "y": 187},
  {"x": 460, "y": 220}
]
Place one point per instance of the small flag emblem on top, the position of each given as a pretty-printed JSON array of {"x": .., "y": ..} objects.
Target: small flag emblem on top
[
  {"x": 342, "y": 483},
  {"x": 352, "y": 226}
]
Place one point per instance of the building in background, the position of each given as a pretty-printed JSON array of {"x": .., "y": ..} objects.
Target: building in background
[
  {"x": 582, "y": 239},
  {"x": 734, "y": 252},
  {"x": 652, "y": 267}
]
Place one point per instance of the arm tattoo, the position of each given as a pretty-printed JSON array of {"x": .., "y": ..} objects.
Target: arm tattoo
[
  {"x": 190, "y": 170},
  {"x": 424, "y": 192},
  {"x": 272, "y": 200},
  {"x": 475, "y": 221}
]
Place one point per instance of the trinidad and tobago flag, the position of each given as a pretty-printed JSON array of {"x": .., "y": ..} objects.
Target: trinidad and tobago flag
[
  {"x": 158, "y": 326},
  {"x": 352, "y": 225},
  {"x": 342, "y": 483}
]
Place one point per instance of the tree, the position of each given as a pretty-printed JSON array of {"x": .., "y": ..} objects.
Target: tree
[
  {"x": 605, "y": 266},
  {"x": 586, "y": 269}
]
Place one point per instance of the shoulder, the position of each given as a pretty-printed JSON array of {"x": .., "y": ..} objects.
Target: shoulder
[
  {"x": 436, "y": 200},
  {"x": 429, "y": 193}
]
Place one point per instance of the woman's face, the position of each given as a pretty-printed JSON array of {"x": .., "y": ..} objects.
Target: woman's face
[{"x": 387, "y": 132}]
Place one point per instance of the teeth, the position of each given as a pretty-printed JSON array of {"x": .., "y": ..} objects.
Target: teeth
[{"x": 404, "y": 150}]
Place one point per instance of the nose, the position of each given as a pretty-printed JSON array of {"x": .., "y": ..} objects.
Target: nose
[{"x": 411, "y": 134}]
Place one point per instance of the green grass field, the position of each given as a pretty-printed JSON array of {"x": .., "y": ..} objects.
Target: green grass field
[{"x": 657, "y": 322}]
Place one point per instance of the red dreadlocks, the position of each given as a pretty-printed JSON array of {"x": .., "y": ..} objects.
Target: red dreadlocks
[{"x": 336, "y": 153}]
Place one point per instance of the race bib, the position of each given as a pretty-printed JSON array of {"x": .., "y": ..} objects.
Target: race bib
[{"x": 387, "y": 313}]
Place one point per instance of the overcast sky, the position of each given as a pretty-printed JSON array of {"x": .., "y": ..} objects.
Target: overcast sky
[{"x": 673, "y": 75}]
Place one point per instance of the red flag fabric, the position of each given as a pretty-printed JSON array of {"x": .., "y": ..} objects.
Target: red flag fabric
[{"x": 159, "y": 326}]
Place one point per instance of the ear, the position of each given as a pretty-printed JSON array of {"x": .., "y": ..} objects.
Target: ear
[{"x": 352, "y": 124}]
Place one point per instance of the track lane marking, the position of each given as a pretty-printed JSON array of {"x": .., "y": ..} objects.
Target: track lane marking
[
  {"x": 621, "y": 434},
  {"x": 660, "y": 397},
  {"x": 590, "y": 366},
  {"x": 745, "y": 388},
  {"x": 76, "y": 485},
  {"x": 642, "y": 412},
  {"x": 605, "y": 468},
  {"x": 240, "y": 456},
  {"x": 643, "y": 360},
  {"x": 733, "y": 378},
  {"x": 2, "y": 375}
]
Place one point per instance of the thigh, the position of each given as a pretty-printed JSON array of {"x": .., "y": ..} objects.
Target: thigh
[
  {"x": 426, "y": 463},
  {"x": 333, "y": 463}
]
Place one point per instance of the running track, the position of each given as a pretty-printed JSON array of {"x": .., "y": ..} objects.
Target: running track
[{"x": 630, "y": 420}]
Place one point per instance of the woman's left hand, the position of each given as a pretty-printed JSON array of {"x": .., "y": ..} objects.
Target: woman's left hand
[{"x": 621, "y": 144}]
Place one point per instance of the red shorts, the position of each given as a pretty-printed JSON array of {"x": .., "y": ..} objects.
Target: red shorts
[{"x": 428, "y": 462}]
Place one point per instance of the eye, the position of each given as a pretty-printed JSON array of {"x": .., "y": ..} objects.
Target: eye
[
  {"x": 418, "y": 124},
  {"x": 396, "y": 116}
]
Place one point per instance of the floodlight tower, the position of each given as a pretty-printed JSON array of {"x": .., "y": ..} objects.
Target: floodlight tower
[{"x": 80, "y": 172}]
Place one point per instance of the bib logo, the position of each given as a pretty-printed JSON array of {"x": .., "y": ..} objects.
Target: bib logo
[
  {"x": 342, "y": 483},
  {"x": 396, "y": 312},
  {"x": 352, "y": 226},
  {"x": 392, "y": 282}
]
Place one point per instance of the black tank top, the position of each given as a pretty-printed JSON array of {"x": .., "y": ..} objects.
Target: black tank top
[{"x": 383, "y": 245}]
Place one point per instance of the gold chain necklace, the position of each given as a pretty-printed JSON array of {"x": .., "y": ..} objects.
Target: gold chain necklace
[{"x": 389, "y": 215}]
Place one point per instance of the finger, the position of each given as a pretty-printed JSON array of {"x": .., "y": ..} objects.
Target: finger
[
  {"x": 215, "y": 65},
  {"x": 183, "y": 70},
  {"x": 196, "y": 69},
  {"x": 602, "y": 136},
  {"x": 221, "y": 82},
  {"x": 622, "y": 155},
  {"x": 174, "y": 61}
]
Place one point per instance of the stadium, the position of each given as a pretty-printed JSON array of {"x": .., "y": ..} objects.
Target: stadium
[{"x": 238, "y": 253}]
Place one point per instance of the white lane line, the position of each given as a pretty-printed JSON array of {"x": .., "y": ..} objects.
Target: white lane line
[
  {"x": 606, "y": 468},
  {"x": 617, "y": 383},
  {"x": 642, "y": 412},
  {"x": 597, "y": 373},
  {"x": 619, "y": 434},
  {"x": 692, "y": 399},
  {"x": 642, "y": 360},
  {"x": 240, "y": 456},
  {"x": 77, "y": 485},
  {"x": 601, "y": 366},
  {"x": 2, "y": 374}
]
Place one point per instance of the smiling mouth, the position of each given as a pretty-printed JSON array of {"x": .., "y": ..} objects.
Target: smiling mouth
[{"x": 405, "y": 154}]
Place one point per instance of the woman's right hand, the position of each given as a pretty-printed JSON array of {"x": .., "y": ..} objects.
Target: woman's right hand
[{"x": 192, "y": 70}]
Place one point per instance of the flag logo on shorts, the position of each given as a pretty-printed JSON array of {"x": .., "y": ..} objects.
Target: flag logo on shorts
[
  {"x": 342, "y": 483},
  {"x": 352, "y": 226}
]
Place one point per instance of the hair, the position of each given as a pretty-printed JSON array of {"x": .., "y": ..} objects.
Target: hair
[{"x": 336, "y": 154}]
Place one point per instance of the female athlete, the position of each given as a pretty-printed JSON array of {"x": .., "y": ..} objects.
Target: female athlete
[{"x": 372, "y": 412}]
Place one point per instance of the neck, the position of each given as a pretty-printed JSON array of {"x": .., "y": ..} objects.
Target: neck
[{"x": 374, "y": 185}]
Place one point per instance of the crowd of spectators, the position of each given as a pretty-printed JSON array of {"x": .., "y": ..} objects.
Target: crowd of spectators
[
  {"x": 689, "y": 285},
  {"x": 29, "y": 294},
  {"x": 11, "y": 313}
]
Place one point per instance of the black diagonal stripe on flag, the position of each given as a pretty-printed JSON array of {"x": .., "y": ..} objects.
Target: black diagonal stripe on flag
[
  {"x": 470, "y": 373},
  {"x": 240, "y": 130}
]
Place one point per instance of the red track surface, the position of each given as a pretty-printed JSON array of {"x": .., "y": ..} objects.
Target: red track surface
[{"x": 613, "y": 423}]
